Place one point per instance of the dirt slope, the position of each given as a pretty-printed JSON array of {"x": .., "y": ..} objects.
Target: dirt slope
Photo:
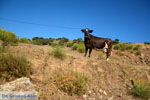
[{"x": 109, "y": 80}]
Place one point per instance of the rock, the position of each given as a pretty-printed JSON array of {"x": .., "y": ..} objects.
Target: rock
[
  {"x": 21, "y": 84},
  {"x": 85, "y": 96},
  {"x": 111, "y": 98},
  {"x": 21, "y": 87},
  {"x": 105, "y": 92},
  {"x": 89, "y": 92}
]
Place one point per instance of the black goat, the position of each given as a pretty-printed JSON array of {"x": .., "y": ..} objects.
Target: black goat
[{"x": 92, "y": 42}]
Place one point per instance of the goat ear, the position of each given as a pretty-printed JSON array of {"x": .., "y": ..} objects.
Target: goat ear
[
  {"x": 82, "y": 30},
  {"x": 91, "y": 31}
]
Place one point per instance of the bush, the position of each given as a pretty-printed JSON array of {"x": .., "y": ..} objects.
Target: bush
[
  {"x": 8, "y": 37},
  {"x": 62, "y": 41},
  {"x": 116, "y": 41},
  {"x": 141, "y": 89},
  {"x": 24, "y": 40},
  {"x": 116, "y": 47},
  {"x": 53, "y": 44},
  {"x": 123, "y": 46},
  {"x": 75, "y": 46},
  {"x": 81, "y": 48},
  {"x": 78, "y": 40},
  {"x": 137, "y": 47},
  {"x": 41, "y": 41},
  {"x": 148, "y": 43},
  {"x": 69, "y": 44},
  {"x": 13, "y": 66},
  {"x": 58, "y": 52},
  {"x": 71, "y": 82}
]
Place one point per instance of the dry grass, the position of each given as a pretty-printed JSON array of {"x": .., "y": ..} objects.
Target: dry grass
[{"x": 111, "y": 77}]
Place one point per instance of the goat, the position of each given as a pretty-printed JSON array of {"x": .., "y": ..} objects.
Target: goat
[{"x": 92, "y": 42}]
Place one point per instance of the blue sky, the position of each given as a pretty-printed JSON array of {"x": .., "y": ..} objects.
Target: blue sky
[{"x": 127, "y": 20}]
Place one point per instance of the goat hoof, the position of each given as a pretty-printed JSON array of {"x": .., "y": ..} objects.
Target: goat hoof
[{"x": 107, "y": 59}]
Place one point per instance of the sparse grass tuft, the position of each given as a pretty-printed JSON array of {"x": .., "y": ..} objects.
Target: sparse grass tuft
[
  {"x": 58, "y": 52},
  {"x": 138, "y": 52},
  {"x": 2, "y": 49},
  {"x": 119, "y": 53},
  {"x": 141, "y": 89},
  {"x": 71, "y": 82},
  {"x": 13, "y": 66},
  {"x": 101, "y": 56}
]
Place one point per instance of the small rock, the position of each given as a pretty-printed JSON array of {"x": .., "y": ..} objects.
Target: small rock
[
  {"x": 104, "y": 92},
  {"x": 89, "y": 92},
  {"x": 85, "y": 96},
  {"x": 111, "y": 98}
]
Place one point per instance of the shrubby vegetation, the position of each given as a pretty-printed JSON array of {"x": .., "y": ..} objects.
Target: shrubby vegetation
[
  {"x": 13, "y": 66},
  {"x": 58, "y": 52},
  {"x": 141, "y": 89},
  {"x": 78, "y": 40},
  {"x": 116, "y": 41},
  {"x": 69, "y": 44},
  {"x": 79, "y": 47},
  {"x": 8, "y": 38},
  {"x": 126, "y": 46},
  {"x": 75, "y": 46},
  {"x": 41, "y": 41},
  {"x": 148, "y": 43},
  {"x": 123, "y": 46},
  {"x": 24, "y": 40},
  {"x": 71, "y": 82},
  {"x": 62, "y": 41}
]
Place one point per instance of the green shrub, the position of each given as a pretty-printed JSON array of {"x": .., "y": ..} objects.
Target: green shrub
[
  {"x": 58, "y": 52},
  {"x": 123, "y": 46},
  {"x": 41, "y": 41},
  {"x": 129, "y": 47},
  {"x": 78, "y": 40},
  {"x": 24, "y": 40},
  {"x": 62, "y": 41},
  {"x": 81, "y": 48},
  {"x": 141, "y": 89},
  {"x": 137, "y": 47},
  {"x": 69, "y": 44},
  {"x": 116, "y": 41},
  {"x": 116, "y": 47},
  {"x": 53, "y": 44},
  {"x": 71, "y": 82},
  {"x": 8, "y": 37},
  {"x": 75, "y": 46},
  {"x": 148, "y": 43},
  {"x": 13, "y": 66}
]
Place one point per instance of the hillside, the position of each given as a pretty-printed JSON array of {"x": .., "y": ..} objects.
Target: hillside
[{"x": 109, "y": 80}]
